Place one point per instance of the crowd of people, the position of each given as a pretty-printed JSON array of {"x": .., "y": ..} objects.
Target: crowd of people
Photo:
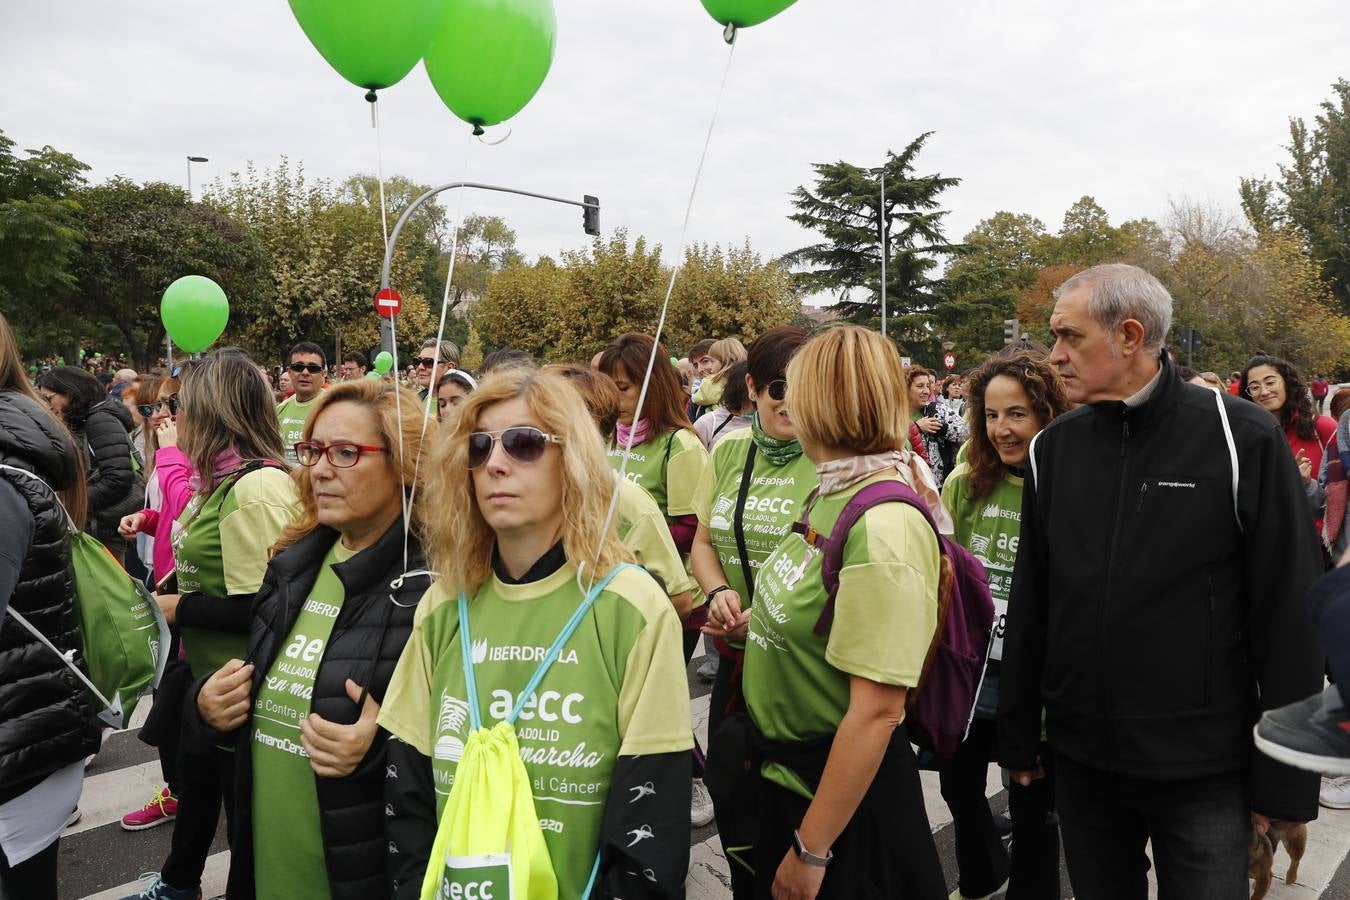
[{"x": 431, "y": 628}]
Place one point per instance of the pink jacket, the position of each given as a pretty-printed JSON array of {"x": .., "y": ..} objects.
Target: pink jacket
[{"x": 174, "y": 473}]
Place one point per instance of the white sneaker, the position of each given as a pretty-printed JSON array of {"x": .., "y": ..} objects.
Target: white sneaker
[
  {"x": 1001, "y": 892},
  {"x": 1335, "y": 793},
  {"x": 701, "y": 805}
]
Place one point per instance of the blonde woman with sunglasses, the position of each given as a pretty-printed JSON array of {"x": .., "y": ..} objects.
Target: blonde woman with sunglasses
[{"x": 518, "y": 532}]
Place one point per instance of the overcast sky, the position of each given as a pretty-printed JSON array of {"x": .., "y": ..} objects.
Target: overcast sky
[{"x": 1034, "y": 104}]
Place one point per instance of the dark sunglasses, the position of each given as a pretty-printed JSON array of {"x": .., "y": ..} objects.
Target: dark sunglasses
[
  {"x": 311, "y": 368},
  {"x": 522, "y": 443},
  {"x": 148, "y": 409},
  {"x": 425, "y": 362},
  {"x": 777, "y": 389},
  {"x": 342, "y": 454}
]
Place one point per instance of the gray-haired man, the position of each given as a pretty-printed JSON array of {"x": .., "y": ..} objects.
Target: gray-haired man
[{"x": 1156, "y": 607}]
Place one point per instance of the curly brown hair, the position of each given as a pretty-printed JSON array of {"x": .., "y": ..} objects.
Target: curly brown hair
[
  {"x": 1298, "y": 411},
  {"x": 1048, "y": 398}
]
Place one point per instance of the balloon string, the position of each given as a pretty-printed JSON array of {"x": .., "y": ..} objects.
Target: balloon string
[
  {"x": 665, "y": 303},
  {"x": 435, "y": 366},
  {"x": 379, "y": 172}
]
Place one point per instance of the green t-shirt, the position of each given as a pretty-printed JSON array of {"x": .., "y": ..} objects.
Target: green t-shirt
[
  {"x": 773, "y": 502},
  {"x": 669, "y": 466},
  {"x": 288, "y": 859},
  {"x": 989, "y": 528},
  {"x": 291, "y": 418},
  {"x": 221, "y": 546},
  {"x": 796, "y": 683},
  {"x": 642, "y": 529},
  {"x": 618, "y": 688}
]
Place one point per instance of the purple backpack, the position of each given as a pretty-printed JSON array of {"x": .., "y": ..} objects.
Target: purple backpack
[{"x": 938, "y": 709}]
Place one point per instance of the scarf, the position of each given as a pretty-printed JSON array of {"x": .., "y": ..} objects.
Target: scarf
[
  {"x": 776, "y": 451},
  {"x": 226, "y": 462},
  {"x": 638, "y": 432},
  {"x": 840, "y": 474}
]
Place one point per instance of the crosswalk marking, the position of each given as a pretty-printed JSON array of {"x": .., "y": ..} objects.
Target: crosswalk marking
[{"x": 109, "y": 794}]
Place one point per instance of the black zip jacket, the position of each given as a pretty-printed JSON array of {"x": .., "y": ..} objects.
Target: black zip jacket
[
  {"x": 367, "y": 640},
  {"x": 1151, "y": 627},
  {"x": 47, "y": 720}
]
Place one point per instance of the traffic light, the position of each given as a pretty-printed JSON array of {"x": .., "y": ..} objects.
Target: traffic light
[
  {"x": 590, "y": 215},
  {"x": 1012, "y": 331}
]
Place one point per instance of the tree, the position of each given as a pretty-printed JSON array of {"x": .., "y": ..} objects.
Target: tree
[
  {"x": 1314, "y": 190},
  {"x": 1086, "y": 238},
  {"x": 1037, "y": 301},
  {"x": 1000, "y": 258},
  {"x": 568, "y": 312},
  {"x": 140, "y": 238},
  {"x": 845, "y": 208},
  {"x": 326, "y": 248},
  {"x": 40, "y": 232}
]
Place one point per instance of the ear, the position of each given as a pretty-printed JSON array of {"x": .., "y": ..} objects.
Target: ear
[
  {"x": 1130, "y": 335},
  {"x": 750, "y": 386}
]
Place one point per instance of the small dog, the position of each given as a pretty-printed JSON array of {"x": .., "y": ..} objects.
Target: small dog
[{"x": 1261, "y": 855}]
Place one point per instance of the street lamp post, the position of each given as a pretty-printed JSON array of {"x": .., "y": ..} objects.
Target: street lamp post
[
  {"x": 590, "y": 222},
  {"x": 190, "y": 161}
]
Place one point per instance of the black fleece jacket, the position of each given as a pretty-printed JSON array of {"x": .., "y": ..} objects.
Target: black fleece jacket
[
  {"x": 1151, "y": 627},
  {"x": 367, "y": 640}
]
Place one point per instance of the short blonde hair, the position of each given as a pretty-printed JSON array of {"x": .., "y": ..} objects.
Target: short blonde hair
[
  {"x": 846, "y": 391},
  {"x": 386, "y": 404},
  {"x": 459, "y": 540},
  {"x": 728, "y": 351}
]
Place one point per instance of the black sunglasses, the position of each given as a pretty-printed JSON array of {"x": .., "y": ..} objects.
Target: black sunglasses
[
  {"x": 311, "y": 368},
  {"x": 777, "y": 389},
  {"x": 425, "y": 362},
  {"x": 523, "y": 443},
  {"x": 148, "y": 409}
]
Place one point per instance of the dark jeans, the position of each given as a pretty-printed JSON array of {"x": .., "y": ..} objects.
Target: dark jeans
[
  {"x": 32, "y": 879},
  {"x": 1329, "y": 602},
  {"x": 1200, "y": 829},
  {"x": 691, "y": 639},
  {"x": 735, "y": 847},
  {"x": 205, "y": 779},
  {"x": 982, "y": 863}
]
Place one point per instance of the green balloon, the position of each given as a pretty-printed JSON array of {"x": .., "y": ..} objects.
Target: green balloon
[
  {"x": 371, "y": 43},
  {"x": 744, "y": 13},
  {"x": 489, "y": 57},
  {"x": 384, "y": 361},
  {"x": 194, "y": 311},
  {"x": 373, "y": 375}
]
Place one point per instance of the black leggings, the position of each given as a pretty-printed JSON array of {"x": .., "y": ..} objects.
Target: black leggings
[{"x": 32, "y": 879}]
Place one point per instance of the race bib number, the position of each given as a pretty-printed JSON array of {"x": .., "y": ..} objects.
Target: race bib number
[
  {"x": 476, "y": 878},
  {"x": 1000, "y": 622}
]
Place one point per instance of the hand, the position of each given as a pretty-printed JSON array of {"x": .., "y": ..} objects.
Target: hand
[
  {"x": 929, "y": 424},
  {"x": 795, "y": 880},
  {"x": 335, "y": 750},
  {"x": 167, "y": 433},
  {"x": 724, "y": 609},
  {"x": 131, "y": 525},
  {"x": 168, "y": 605},
  {"x": 1265, "y": 823},
  {"x": 1304, "y": 465},
  {"x": 1025, "y": 777},
  {"x": 223, "y": 701},
  {"x": 737, "y": 631}
]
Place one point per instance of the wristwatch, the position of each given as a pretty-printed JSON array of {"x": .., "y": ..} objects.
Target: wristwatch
[
  {"x": 807, "y": 856},
  {"x": 717, "y": 590}
]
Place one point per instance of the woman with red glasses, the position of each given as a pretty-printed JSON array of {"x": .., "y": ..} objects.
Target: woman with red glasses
[
  {"x": 334, "y": 612},
  {"x": 518, "y": 531}
]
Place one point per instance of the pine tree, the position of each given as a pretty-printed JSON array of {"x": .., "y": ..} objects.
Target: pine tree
[{"x": 846, "y": 209}]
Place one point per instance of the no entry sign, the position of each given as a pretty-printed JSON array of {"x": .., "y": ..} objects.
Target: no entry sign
[
  {"x": 949, "y": 361},
  {"x": 388, "y": 303}
]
